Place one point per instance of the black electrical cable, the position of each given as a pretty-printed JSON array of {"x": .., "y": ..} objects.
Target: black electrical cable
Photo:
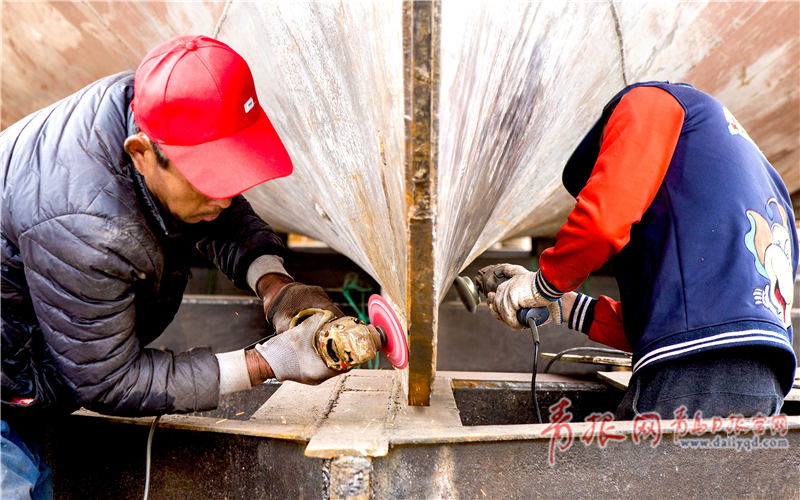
[
  {"x": 605, "y": 350},
  {"x": 533, "y": 382},
  {"x": 535, "y": 337},
  {"x": 147, "y": 461}
]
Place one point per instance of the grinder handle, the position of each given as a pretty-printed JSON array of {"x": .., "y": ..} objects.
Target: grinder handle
[{"x": 538, "y": 314}]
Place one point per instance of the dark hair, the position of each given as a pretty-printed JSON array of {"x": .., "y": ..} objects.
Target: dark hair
[{"x": 161, "y": 157}]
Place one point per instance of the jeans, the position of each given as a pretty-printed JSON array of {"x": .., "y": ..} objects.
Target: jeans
[
  {"x": 717, "y": 384},
  {"x": 23, "y": 473}
]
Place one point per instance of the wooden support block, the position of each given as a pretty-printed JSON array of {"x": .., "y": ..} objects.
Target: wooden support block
[
  {"x": 370, "y": 380},
  {"x": 437, "y": 419},
  {"x": 356, "y": 426},
  {"x": 357, "y": 422},
  {"x": 350, "y": 478},
  {"x": 300, "y": 405},
  {"x": 619, "y": 380}
]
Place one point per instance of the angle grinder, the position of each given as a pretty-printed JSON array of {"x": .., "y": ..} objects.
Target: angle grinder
[
  {"x": 347, "y": 342},
  {"x": 470, "y": 292}
]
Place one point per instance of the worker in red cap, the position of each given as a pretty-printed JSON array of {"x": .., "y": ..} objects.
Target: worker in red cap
[{"x": 105, "y": 194}]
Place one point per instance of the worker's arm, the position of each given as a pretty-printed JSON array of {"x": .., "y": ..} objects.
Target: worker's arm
[
  {"x": 637, "y": 148},
  {"x": 84, "y": 273},
  {"x": 600, "y": 319},
  {"x": 638, "y": 144},
  {"x": 249, "y": 252},
  {"x": 242, "y": 245},
  {"x": 288, "y": 356}
]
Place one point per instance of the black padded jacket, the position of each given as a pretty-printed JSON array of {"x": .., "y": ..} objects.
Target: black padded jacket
[{"x": 94, "y": 268}]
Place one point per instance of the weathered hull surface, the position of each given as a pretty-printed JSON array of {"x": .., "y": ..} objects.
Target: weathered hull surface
[
  {"x": 519, "y": 83},
  {"x": 434, "y": 127}
]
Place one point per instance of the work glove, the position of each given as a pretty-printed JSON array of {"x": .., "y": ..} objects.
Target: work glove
[
  {"x": 292, "y": 356},
  {"x": 294, "y": 298},
  {"x": 556, "y": 316},
  {"x": 521, "y": 291},
  {"x": 492, "y": 276}
]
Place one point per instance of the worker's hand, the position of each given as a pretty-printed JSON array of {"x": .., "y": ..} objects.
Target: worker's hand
[
  {"x": 517, "y": 293},
  {"x": 556, "y": 315},
  {"x": 291, "y": 355},
  {"x": 294, "y": 298},
  {"x": 490, "y": 277}
]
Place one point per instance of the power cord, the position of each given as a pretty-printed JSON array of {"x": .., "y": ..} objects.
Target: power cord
[
  {"x": 535, "y": 337},
  {"x": 147, "y": 461}
]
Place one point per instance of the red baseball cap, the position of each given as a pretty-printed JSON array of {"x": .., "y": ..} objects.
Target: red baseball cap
[{"x": 195, "y": 97}]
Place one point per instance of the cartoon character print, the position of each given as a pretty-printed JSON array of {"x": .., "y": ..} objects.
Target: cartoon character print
[{"x": 769, "y": 242}]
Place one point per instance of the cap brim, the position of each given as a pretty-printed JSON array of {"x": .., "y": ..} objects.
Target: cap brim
[{"x": 229, "y": 166}]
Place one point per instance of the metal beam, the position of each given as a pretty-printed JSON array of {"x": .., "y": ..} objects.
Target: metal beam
[
  {"x": 421, "y": 28},
  {"x": 457, "y": 446}
]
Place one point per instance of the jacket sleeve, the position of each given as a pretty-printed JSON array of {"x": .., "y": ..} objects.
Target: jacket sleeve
[
  {"x": 236, "y": 238},
  {"x": 82, "y": 272},
  {"x": 607, "y": 325},
  {"x": 600, "y": 319},
  {"x": 638, "y": 144}
]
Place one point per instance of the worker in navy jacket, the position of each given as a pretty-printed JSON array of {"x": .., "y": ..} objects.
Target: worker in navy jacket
[{"x": 700, "y": 232}]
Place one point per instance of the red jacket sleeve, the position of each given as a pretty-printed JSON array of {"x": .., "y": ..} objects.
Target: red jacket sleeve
[
  {"x": 638, "y": 143},
  {"x": 606, "y": 327}
]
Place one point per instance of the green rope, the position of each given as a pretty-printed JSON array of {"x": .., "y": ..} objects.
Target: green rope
[
  {"x": 351, "y": 284},
  {"x": 211, "y": 281}
]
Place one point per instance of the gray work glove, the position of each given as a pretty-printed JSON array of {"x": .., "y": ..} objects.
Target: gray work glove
[
  {"x": 519, "y": 292},
  {"x": 292, "y": 356},
  {"x": 296, "y": 297}
]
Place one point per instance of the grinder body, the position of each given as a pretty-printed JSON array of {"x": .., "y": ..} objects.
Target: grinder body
[
  {"x": 346, "y": 342},
  {"x": 471, "y": 291}
]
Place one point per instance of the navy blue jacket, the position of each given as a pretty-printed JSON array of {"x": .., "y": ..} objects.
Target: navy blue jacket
[{"x": 712, "y": 262}]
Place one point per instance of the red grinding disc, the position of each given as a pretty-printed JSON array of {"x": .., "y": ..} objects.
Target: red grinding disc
[{"x": 396, "y": 348}]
